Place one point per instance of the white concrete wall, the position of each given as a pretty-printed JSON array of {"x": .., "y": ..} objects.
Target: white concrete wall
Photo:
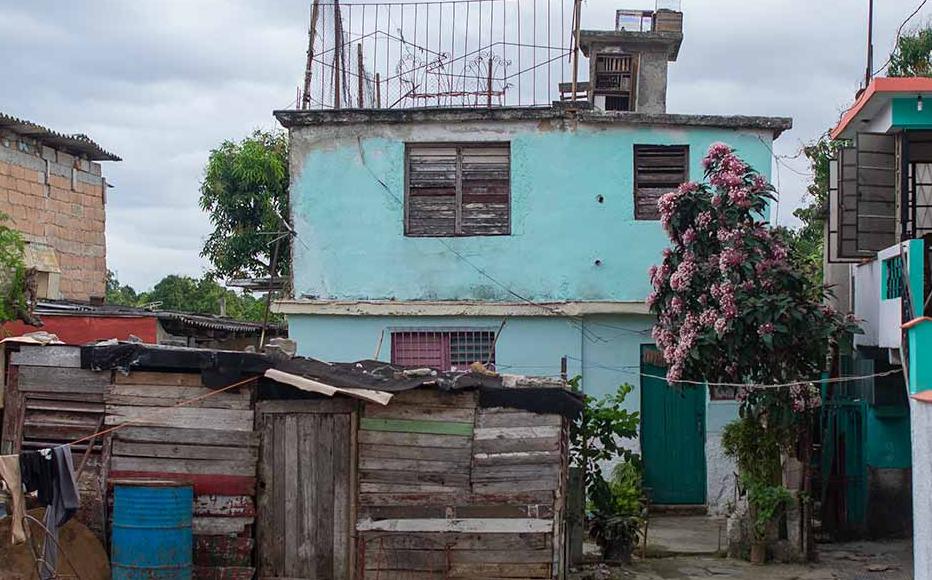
[
  {"x": 720, "y": 470},
  {"x": 921, "y": 416}
]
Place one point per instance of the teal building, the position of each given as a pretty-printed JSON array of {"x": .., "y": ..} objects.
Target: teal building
[{"x": 514, "y": 236}]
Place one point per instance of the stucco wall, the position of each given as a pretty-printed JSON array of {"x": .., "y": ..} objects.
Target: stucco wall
[
  {"x": 350, "y": 228},
  {"x": 921, "y": 415},
  {"x": 605, "y": 349}
]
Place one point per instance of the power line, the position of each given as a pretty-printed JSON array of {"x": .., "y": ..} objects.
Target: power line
[{"x": 899, "y": 31}]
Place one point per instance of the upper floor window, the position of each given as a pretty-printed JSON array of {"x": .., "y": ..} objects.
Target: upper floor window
[
  {"x": 458, "y": 189},
  {"x": 658, "y": 169},
  {"x": 443, "y": 349}
]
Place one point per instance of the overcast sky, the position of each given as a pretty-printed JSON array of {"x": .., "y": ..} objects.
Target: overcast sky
[{"x": 160, "y": 83}]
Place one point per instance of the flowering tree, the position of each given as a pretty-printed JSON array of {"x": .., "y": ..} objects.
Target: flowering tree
[{"x": 730, "y": 304}]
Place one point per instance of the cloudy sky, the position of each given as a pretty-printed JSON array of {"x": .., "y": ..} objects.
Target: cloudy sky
[{"x": 161, "y": 82}]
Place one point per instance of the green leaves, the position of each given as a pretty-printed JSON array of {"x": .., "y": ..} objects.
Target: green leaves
[
  {"x": 912, "y": 56},
  {"x": 245, "y": 190},
  {"x": 12, "y": 272}
]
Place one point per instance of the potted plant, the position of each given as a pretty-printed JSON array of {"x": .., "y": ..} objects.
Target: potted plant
[
  {"x": 617, "y": 514},
  {"x": 766, "y": 503}
]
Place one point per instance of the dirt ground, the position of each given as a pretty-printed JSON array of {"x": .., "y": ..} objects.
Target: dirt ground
[{"x": 890, "y": 560}]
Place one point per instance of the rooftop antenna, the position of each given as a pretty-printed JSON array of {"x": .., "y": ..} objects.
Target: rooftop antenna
[{"x": 869, "y": 73}]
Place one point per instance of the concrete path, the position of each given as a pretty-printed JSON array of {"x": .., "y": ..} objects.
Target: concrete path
[
  {"x": 849, "y": 561},
  {"x": 674, "y": 535}
]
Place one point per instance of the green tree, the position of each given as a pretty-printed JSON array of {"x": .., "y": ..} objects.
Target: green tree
[
  {"x": 806, "y": 242},
  {"x": 912, "y": 56},
  {"x": 122, "y": 294},
  {"x": 187, "y": 294},
  {"x": 245, "y": 192},
  {"x": 13, "y": 300}
]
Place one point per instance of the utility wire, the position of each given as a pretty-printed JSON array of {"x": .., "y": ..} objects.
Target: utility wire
[
  {"x": 899, "y": 31},
  {"x": 588, "y": 333}
]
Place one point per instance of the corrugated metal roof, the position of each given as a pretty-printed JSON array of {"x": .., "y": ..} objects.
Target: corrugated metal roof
[
  {"x": 208, "y": 321},
  {"x": 77, "y": 143}
]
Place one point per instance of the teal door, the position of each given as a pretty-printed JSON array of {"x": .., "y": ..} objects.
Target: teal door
[{"x": 672, "y": 440}]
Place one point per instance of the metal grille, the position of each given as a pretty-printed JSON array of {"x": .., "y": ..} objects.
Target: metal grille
[
  {"x": 452, "y": 53},
  {"x": 443, "y": 349},
  {"x": 893, "y": 277}
]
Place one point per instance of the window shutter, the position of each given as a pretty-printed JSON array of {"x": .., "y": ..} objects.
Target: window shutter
[
  {"x": 486, "y": 177},
  {"x": 876, "y": 192},
  {"x": 847, "y": 211},
  {"x": 458, "y": 190},
  {"x": 658, "y": 169},
  {"x": 431, "y": 202}
]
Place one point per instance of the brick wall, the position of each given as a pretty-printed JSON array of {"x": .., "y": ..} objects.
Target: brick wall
[{"x": 57, "y": 199}]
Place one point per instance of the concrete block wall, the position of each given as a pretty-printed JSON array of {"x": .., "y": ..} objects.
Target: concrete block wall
[{"x": 58, "y": 199}]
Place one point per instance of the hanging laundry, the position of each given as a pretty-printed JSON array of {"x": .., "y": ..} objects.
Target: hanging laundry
[
  {"x": 10, "y": 473},
  {"x": 36, "y": 470},
  {"x": 64, "y": 503}
]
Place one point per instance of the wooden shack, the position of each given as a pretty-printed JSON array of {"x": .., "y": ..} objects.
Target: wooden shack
[{"x": 457, "y": 476}]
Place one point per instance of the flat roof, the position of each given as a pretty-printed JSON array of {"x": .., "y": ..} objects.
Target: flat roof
[
  {"x": 78, "y": 143},
  {"x": 324, "y": 117},
  {"x": 879, "y": 92},
  {"x": 669, "y": 42}
]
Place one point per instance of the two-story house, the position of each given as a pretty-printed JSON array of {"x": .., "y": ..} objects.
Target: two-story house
[
  {"x": 877, "y": 253},
  {"x": 518, "y": 237}
]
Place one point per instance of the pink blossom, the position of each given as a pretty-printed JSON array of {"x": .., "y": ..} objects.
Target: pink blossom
[
  {"x": 689, "y": 236},
  {"x": 704, "y": 219},
  {"x": 730, "y": 257},
  {"x": 765, "y": 329},
  {"x": 721, "y": 327},
  {"x": 716, "y": 152}
]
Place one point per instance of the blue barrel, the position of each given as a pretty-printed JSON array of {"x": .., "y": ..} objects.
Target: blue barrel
[{"x": 152, "y": 536}]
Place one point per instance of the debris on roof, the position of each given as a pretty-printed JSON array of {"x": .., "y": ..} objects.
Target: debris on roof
[{"x": 77, "y": 143}]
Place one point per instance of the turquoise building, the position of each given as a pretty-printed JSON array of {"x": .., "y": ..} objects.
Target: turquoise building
[{"x": 514, "y": 236}]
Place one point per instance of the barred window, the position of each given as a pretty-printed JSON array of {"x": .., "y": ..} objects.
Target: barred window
[{"x": 443, "y": 349}]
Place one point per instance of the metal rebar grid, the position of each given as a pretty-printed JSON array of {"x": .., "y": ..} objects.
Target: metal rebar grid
[{"x": 445, "y": 53}]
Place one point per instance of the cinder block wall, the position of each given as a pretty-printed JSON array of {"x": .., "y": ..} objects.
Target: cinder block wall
[{"x": 58, "y": 199}]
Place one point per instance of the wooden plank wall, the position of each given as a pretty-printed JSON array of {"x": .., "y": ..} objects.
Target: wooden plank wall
[
  {"x": 50, "y": 400},
  {"x": 210, "y": 443},
  {"x": 448, "y": 489}
]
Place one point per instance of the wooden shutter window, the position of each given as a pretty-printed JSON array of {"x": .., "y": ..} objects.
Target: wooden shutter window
[
  {"x": 658, "y": 169},
  {"x": 458, "y": 190}
]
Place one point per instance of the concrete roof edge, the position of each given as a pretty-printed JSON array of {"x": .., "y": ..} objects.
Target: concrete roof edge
[{"x": 303, "y": 118}]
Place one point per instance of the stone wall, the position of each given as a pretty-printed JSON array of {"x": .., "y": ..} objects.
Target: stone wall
[{"x": 57, "y": 199}]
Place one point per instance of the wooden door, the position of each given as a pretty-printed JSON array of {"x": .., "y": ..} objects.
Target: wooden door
[
  {"x": 305, "y": 489},
  {"x": 672, "y": 440}
]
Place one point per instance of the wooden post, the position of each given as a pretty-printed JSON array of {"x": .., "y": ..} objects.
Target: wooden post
[
  {"x": 563, "y": 373},
  {"x": 378, "y": 91},
  {"x": 273, "y": 267},
  {"x": 576, "y": 14},
  {"x": 489, "y": 95},
  {"x": 360, "y": 71}
]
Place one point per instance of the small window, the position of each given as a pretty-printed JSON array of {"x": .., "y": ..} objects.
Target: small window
[
  {"x": 458, "y": 190},
  {"x": 615, "y": 78},
  {"x": 892, "y": 278},
  {"x": 443, "y": 349},
  {"x": 658, "y": 169}
]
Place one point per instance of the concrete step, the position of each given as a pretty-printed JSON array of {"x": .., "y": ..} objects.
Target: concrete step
[{"x": 678, "y": 509}]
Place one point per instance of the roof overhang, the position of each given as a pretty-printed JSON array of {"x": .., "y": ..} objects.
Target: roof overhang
[
  {"x": 887, "y": 104},
  {"x": 668, "y": 42}
]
